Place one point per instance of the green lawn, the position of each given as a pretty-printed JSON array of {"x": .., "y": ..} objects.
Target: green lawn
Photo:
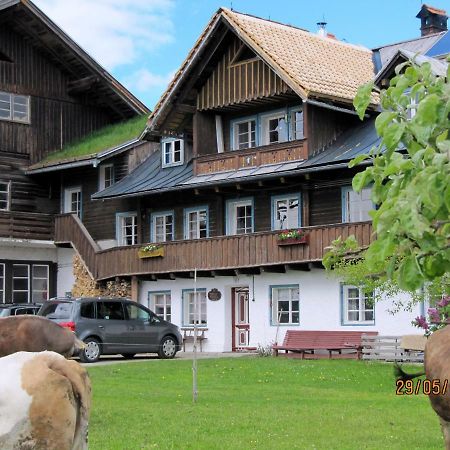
[{"x": 257, "y": 403}]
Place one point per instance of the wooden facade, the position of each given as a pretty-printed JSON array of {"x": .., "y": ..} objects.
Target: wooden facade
[
  {"x": 57, "y": 117},
  {"x": 237, "y": 80}
]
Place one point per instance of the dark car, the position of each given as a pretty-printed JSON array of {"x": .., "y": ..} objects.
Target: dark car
[
  {"x": 111, "y": 326},
  {"x": 17, "y": 309}
]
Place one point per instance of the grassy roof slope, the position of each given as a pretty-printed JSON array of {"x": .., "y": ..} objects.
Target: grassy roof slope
[{"x": 103, "y": 139}]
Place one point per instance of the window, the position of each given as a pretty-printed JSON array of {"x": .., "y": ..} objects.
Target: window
[
  {"x": 135, "y": 312},
  {"x": 21, "y": 283},
  {"x": 5, "y": 194},
  {"x": 162, "y": 227},
  {"x": 356, "y": 207},
  {"x": 358, "y": 307},
  {"x": 285, "y": 305},
  {"x": 244, "y": 134},
  {"x": 286, "y": 212},
  {"x": 87, "y": 310},
  {"x": 72, "y": 201},
  {"x": 2, "y": 283},
  {"x": 106, "y": 176},
  {"x": 296, "y": 131},
  {"x": 172, "y": 152},
  {"x": 240, "y": 216},
  {"x": 196, "y": 223},
  {"x": 161, "y": 304},
  {"x": 274, "y": 128},
  {"x": 40, "y": 283},
  {"x": 191, "y": 314},
  {"x": 14, "y": 107},
  {"x": 126, "y": 228},
  {"x": 110, "y": 311}
]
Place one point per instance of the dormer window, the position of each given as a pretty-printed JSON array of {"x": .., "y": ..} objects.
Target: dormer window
[
  {"x": 106, "y": 176},
  {"x": 14, "y": 107},
  {"x": 172, "y": 152}
]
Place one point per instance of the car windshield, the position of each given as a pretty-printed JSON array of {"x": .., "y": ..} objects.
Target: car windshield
[
  {"x": 57, "y": 310},
  {"x": 4, "y": 312}
]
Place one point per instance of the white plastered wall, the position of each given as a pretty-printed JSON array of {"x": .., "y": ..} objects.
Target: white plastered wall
[{"x": 320, "y": 307}]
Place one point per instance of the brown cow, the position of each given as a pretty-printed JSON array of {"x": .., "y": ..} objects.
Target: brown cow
[
  {"x": 45, "y": 402},
  {"x": 36, "y": 334},
  {"x": 437, "y": 367}
]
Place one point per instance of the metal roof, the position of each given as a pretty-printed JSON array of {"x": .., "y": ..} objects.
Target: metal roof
[{"x": 150, "y": 177}]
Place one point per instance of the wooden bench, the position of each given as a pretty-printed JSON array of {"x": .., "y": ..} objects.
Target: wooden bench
[
  {"x": 306, "y": 342},
  {"x": 188, "y": 336}
]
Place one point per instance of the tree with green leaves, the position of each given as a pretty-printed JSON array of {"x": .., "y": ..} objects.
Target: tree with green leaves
[{"x": 409, "y": 173}]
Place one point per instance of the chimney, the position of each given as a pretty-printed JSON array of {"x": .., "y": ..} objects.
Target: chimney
[
  {"x": 322, "y": 31},
  {"x": 433, "y": 20}
]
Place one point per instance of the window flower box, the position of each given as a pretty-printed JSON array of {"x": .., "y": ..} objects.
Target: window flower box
[
  {"x": 151, "y": 251},
  {"x": 292, "y": 237}
]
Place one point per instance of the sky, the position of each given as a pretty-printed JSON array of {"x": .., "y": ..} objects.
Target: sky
[{"x": 143, "y": 42}]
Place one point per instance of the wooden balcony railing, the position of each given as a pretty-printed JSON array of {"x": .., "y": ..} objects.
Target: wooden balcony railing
[
  {"x": 257, "y": 250},
  {"x": 251, "y": 157},
  {"x": 21, "y": 225}
]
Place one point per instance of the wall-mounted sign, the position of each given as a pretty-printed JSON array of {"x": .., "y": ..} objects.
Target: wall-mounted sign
[{"x": 214, "y": 295}]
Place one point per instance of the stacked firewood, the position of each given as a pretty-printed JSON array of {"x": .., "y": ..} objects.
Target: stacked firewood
[{"x": 85, "y": 286}]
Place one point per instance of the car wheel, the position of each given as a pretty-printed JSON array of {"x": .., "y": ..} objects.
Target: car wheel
[
  {"x": 167, "y": 348},
  {"x": 92, "y": 351},
  {"x": 128, "y": 355}
]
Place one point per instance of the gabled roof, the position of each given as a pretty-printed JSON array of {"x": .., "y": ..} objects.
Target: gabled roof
[
  {"x": 419, "y": 45},
  {"x": 311, "y": 65},
  {"x": 438, "y": 67},
  {"x": 85, "y": 73}
]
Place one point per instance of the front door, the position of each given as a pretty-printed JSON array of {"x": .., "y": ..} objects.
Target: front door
[{"x": 240, "y": 318}]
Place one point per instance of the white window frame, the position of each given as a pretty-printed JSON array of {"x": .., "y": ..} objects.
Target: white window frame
[
  {"x": 5, "y": 189},
  {"x": 231, "y": 211},
  {"x": 347, "y": 192},
  {"x": 165, "y": 304},
  {"x": 235, "y": 134},
  {"x": 169, "y": 143},
  {"x": 265, "y": 119},
  {"x": 2, "y": 283},
  {"x": 293, "y": 289},
  {"x": 33, "y": 278},
  {"x": 11, "y": 100},
  {"x": 153, "y": 219},
  {"x": 13, "y": 291},
  {"x": 68, "y": 200},
  {"x": 103, "y": 181},
  {"x": 287, "y": 225},
  {"x": 293, "y": 133},
  {"x": 188, "y": 231},
  {"x": 362, "y": 308},
  {"x": 189, "y": 307},
  {"x": 121, "y": 228}
]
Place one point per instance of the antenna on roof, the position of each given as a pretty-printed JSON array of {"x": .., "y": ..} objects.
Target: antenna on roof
[{"x": 231, "y": 6}]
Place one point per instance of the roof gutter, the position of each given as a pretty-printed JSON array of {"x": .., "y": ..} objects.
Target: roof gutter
[{"x": 71, "y": 165}]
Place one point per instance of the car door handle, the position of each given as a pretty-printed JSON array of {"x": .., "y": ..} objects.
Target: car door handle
[{"x": 101, "y": 326}]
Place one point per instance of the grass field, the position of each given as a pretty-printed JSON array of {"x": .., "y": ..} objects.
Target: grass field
[{"x": 257, "y": 403}]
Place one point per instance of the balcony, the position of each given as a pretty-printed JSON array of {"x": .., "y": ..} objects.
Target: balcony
[
  {"x": 24, "y": 225},
  {"x": 251, "y": 157},
  {"x": 224, "y": 255}
]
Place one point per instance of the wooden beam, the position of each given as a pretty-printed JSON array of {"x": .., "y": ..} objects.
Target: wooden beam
[
  {"x": 260, "y": 183},
  {"x": 280, "y": 268},
  {"x": 172, "y": 276},
  {"x": 82, "y": 85},
  {"x": 134, "y": 288},
  {"x": 216, "y": 189}
]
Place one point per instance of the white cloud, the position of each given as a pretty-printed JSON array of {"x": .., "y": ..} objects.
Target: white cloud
[
  {"x": 114, "y": 32},
  {"x": 143, "y": 81}
]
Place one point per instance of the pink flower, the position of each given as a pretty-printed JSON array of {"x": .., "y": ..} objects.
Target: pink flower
[
  {"x": 444, "y": 302},
  {"x": 434, "y": 315},
  {"x": 421, "y": 322}
]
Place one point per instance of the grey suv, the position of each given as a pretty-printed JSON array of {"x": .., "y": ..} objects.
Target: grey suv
[
  {"x": 111, "y": 326},
  {"x": 18, "y": 309}
]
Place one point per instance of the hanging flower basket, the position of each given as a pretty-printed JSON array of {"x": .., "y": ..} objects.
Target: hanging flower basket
[
  {"x": 292, "y": 237},
  {"x": 151, "y": 251}
]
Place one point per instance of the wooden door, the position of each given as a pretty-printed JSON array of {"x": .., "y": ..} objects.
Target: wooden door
[{"x": 240, "y": 318}]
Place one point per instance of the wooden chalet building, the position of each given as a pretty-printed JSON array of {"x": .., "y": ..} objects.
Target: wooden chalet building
[
  {"x": 255, "y": 132},
  {"x": 252, "y": 137},
  {"x": 51, "y": 94}
]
